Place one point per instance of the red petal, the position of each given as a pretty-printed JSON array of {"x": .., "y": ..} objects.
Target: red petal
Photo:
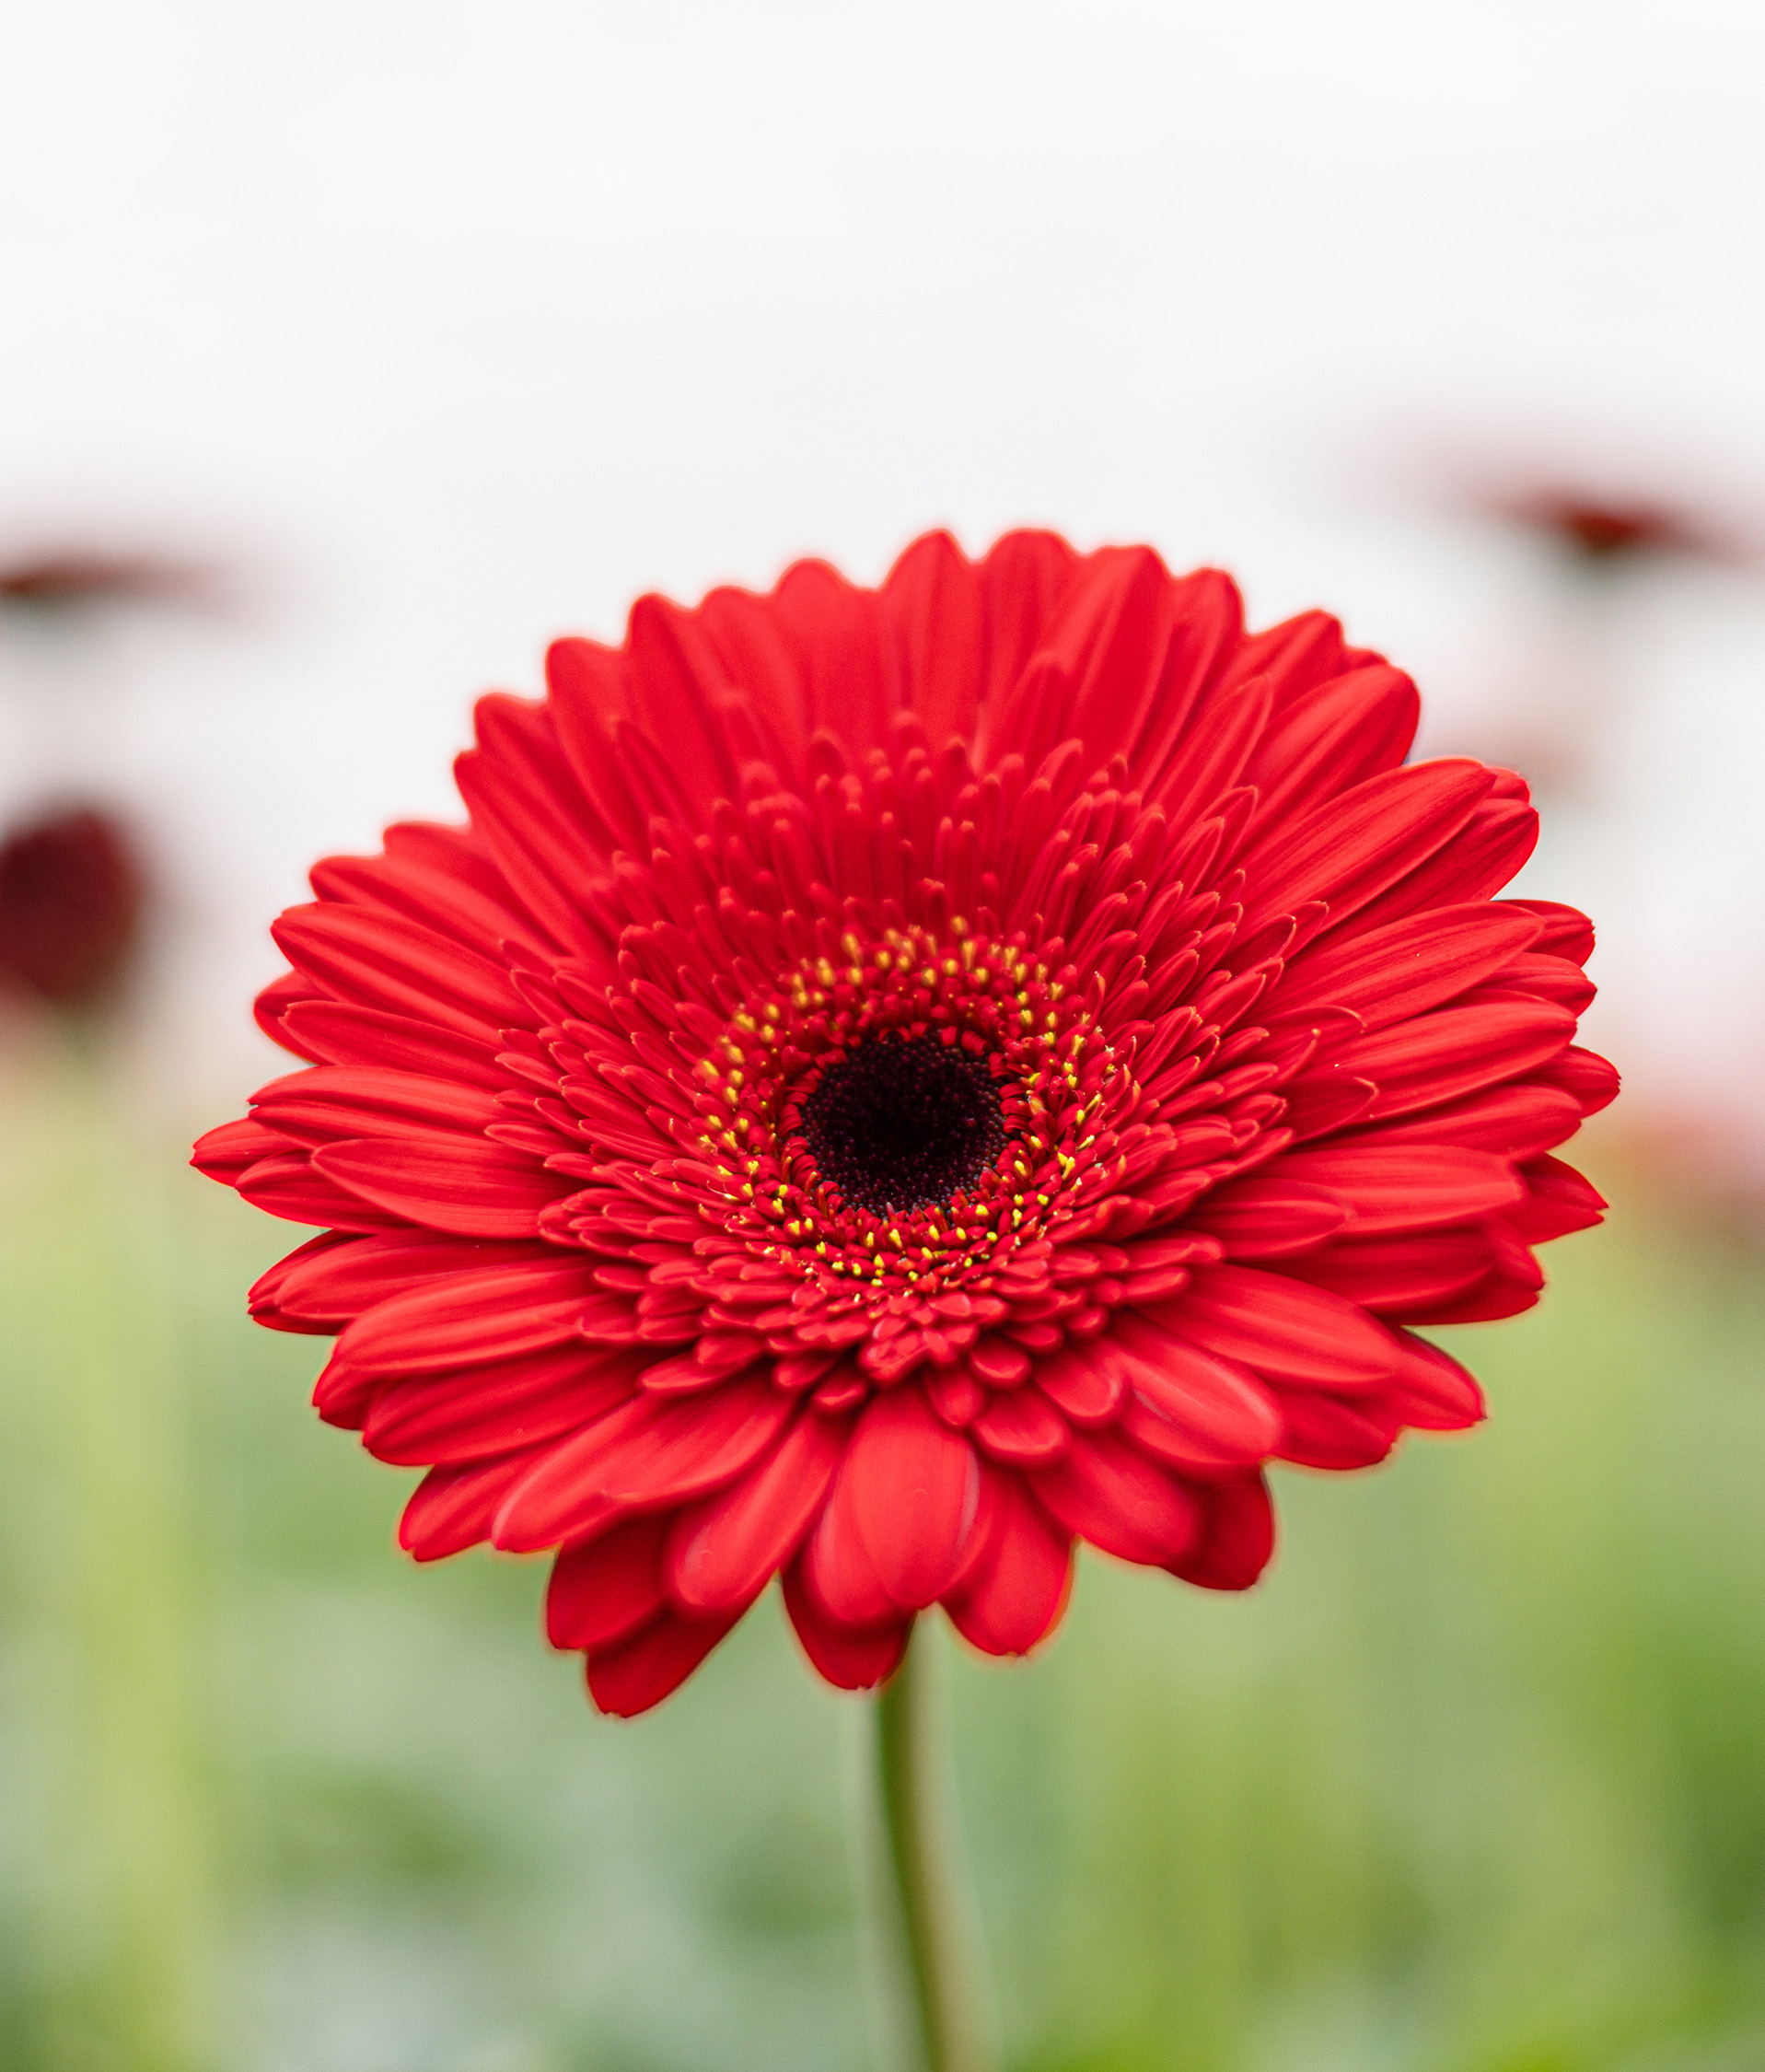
[
  {"x": 713, "y": 1357},
  {"x": 677, "y": 679},
  {"x": 1402, "y": 1274},
  {"x": 456, "y": 855},
  {"x": 1514, "y": 1121},
  {"x": 1297, "y": 656},
  {"x": 997, "y": 1363},
  {"x": 1567, "y": 932},
  {"x": 1101, "y": 657},
  {"x": 1558, "y": 1201},
  {"x": 1343, "y": 733},
  {"x": 441, "y": 877},
  {"x": 933, "y": 598},
  {"x": 264, "y": 1298},
  {"x": 1023, "y": 579},
  {"x": 1321, "y": 1431},
  {"x": 1012, "y": 1595},
  {"x": 1109, "y": 1494},
  {"x": 325, "y": 1286},
  {"x": 533, "y": 817},
  {"x": 1279, "y": 1327},
  {"x": 379, "y": 959},
  {"x": 589, "y": 689},
  {"x": 1589, "y": 1078},
  {"x": 845, "y": 1390},
  {"x": 1349, "y": 850},
  {"x": 1266, "y": 1214},
  {"x": 1206, "y": 628},
  {"x": 345, "y": 1035},
  {"x": 836, "y": 1569},
  {"x": 432, "y": 1418},
  {"x": 1213, "y": 754},
  {"x": 1394, "y": 972},
  {"x": 955, "y": 1396},
  {"x": 803, "y": 1370},
  {"x": 475, "y": 1189},
  {"x": 1437, "y": 1394},
  {"x": 1442, "y": 1056},
  {"x": 1322, "y": 1102},
  {"x": 466, "y": 1318},
  {"x": 1504, "y": 1293},
  {"x": 452, "y": 1509},
  {"x": 343, "y": 1394},
  {"x": 1511, "y": 1287},
  {"x": 601, "y": 1592},
  {"x": 640, "y": 1672},
  {"x": 1086, "y": 1390},
  {"x": 837, "y": 631},
  {"x": 288, "y": 1187},
  {"x": 332, "y": 1101},
  {"x": 722, "y": 1552},
  {"x": 226, "y": 1153},
  {"x": 1021, "y": 1428},
  {"x": 1540, "y": 977},
  {"x": 271, "y": 1008},
  {"x": 1479, "y": 861},
  {"x": 757, "y": 653},
  {"x": 914, "y": 1488},
  {"x": 851, "y": 1657},
  {"x": 1406, "y": 1187},
  {"x": 650, "y": 1451},
  {"x": 1188, "y": 1408},
  {"x": 1236, "y": 1538}
]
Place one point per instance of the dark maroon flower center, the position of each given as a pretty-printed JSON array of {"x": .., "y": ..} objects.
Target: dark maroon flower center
[{"x": 904, "y": 1123}]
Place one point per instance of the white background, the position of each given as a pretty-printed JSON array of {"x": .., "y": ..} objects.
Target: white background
[{"x": 448, "y": 328}]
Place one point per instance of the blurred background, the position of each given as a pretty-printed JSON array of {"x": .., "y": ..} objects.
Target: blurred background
[{"x": 351, "y": 352}]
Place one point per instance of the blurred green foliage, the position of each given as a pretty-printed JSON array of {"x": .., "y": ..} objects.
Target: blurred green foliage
[{"x": 1474, "y": 1783}]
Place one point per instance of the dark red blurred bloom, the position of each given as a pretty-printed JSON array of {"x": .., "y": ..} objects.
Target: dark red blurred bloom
[
  {"x": 891, "y": 1083},
  {"x": 70, "y": 903},
  {"x": 62, "y": 580},
  {"x": 1603, "y": 532}
]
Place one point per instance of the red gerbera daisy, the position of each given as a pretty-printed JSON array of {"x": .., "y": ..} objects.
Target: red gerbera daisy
[
  {"x": 891, "y": 1083},
  {"x": 71, "y": 895}
]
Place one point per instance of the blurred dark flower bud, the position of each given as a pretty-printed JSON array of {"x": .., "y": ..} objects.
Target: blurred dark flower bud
[
  {"x": 1604, "y": 533},
  {"x": 65, "y": 580},
  {"x": 71, "y": 897}
]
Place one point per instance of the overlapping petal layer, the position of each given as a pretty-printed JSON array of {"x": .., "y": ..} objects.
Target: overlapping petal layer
[{"x": 1276, "y": 1077}]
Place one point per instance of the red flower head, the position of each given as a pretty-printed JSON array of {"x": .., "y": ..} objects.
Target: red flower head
[
  {"x": 891, "y": 1083},
  {"x": 70, "y": 904}
]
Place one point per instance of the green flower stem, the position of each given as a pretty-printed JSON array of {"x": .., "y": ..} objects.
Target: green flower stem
[{"x": 923, "y": 1853}]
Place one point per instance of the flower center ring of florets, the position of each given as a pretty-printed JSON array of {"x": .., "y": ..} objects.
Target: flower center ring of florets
[{"x": 907, "y": 1115}]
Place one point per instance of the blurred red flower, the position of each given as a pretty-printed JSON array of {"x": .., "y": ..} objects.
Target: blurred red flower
[
  {"x": 1604, "y": 533},
  {"x": 70, "y": 904},
  {"x": 891, "y": 1083},
  {"x": 64, "y": 578}
]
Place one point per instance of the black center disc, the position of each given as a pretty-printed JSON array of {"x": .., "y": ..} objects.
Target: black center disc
[{"x": 898, "y": 1124}]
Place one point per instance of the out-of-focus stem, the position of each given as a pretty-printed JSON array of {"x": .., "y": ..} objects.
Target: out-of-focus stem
[{"x": 87, "y": 1276}]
